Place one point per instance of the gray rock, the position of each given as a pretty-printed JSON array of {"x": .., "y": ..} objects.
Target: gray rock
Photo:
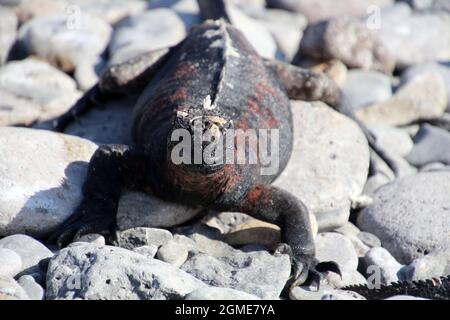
[
  {"x": 332, "y": 246},
  {"x": 374, "y": 182},
  {"x": 16, "y": 110},
  {"x": 400, "y": 215},
  {"x": 8, "y": 25},
  {"x": 30, "y": 80},
  {"x": 348, "y": 229},
  {"x": 380, "y": 260},
  {"x": 30, "y": 250},
  {"x": 147, "y": 251},
  {"x": 255, "y": 32},
  {"x": 349, "y": 278},
  {"x": 443, "y": 69},
  {"x": 380, "y": 167},
  {"x": 415, "y": 37},
  {"x": 33, "y": 290},
  {"x": 257, "y": 273},
  {"x": 326, "y": 292},
  {"x": 404, "y": 297},
  {"x": 187, "y": 10},
  {"x": 392, "y": 140},
  {"x": 325, "y": 9},
  {"x": 141, "y": 210},
  {"x": 329, "y": 163},
  {"x": 40, "y": 182},
  {"x": 111, "y": 124},
  {"x": 434, "y": 166},
  {"x": 90, "y": 272},
  {"x": 431, "y": 144},
  {"x": 28, "y": 9},
  {"x": 369, "y": 239},
  {"x": 364, "y": 87},
  {"x": 137, "y": 237},
  {"x": 286, "y": 28},
  {"x": 360, "y": 247},
  {"x": 11, "y": 290},
  {"x": 173, "y": 253},
  {"x": 429, "y": 4},
  {"x": 423, "y": 97},
  {"x": 112, "y": 11},
  {"x": 138, "y": 34},
  {"x": 346, "y": 39},
  {"x": 93, "y": 238},
  {"x": 66, "y": 43},
  {"x": 435, "y": 264},
  {"x": 10, "y": 263},
  {"x": 216, "y": 293}
]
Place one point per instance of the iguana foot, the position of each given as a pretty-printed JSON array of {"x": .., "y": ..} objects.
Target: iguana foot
[
  {"x": 92, "y": 217},
  {"x": 306, "y": 270}
]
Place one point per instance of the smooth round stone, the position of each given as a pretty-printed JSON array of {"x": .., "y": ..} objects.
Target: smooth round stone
[
  {"x": 11, "y": 290},
  {"x": 10, "y": 263},
  {"x": 433, "y": 265},
  {"x": 405, "y": 297},
  {"x": 111, "y": 124},
  {"x": 286, "y": 28},
  {"x": 216, "y": 293},
  {"x": 364, "y": 87},
  {"x": 8, "y": 32},
  {"x": 329, "y": 163},
  {"x": 30, "y": 250},
  {"x": 112, "y": 11},
  {"x": 325, "y": 9},
  {"x": 138, "y": 209},
  {"x": 93, "y": 238},
  {"x": 443, "y": 69},
  {"x": 31, "y": 287},
  {"x": 415, "y": 37},
  {"x": 173, "y": 253},
  {"x": 331, "y": 246},
  {"x": 431, "y": 144},
  {"x": 254, "y": 231},
  {"x": 410, "y": 215},
  {"x": 147, "y": 31},
  {"x": 346, "y": 39},
  {"x": 369, "y": 239},
  {"x": 41, "y": 174},
  {"x": 136, "y": 237},
  {"x": 32, "y": 90},
  {"x": 147, "y": 251},
  {"x": 386, "y": 265},
  {"x": 391, "y": 139},
  {"x": 423, "y": 97},
  {"x": 255, "y": 32},
  {"x": 66, "y": 42}
]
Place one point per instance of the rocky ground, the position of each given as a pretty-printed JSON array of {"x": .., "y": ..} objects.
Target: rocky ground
[{"x": 394, "y": 72}]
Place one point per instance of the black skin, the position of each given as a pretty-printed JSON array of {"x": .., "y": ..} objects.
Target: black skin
[{"x": 248, "y": 92}]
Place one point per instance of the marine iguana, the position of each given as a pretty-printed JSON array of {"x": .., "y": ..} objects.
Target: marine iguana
[
  {"x": 437, "y": 289},
  {"x": 213, "y": 76}
]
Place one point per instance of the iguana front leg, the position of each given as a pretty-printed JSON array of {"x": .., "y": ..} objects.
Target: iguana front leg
[
  {"x": 125, "y": 78},
  {"x": 112, "y": 168},
  {"x": 304, "y": 84},
  {"x": 274, "y": 205}
]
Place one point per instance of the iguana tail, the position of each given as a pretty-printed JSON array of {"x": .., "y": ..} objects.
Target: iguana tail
[{"x": 438, "y": 289}]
